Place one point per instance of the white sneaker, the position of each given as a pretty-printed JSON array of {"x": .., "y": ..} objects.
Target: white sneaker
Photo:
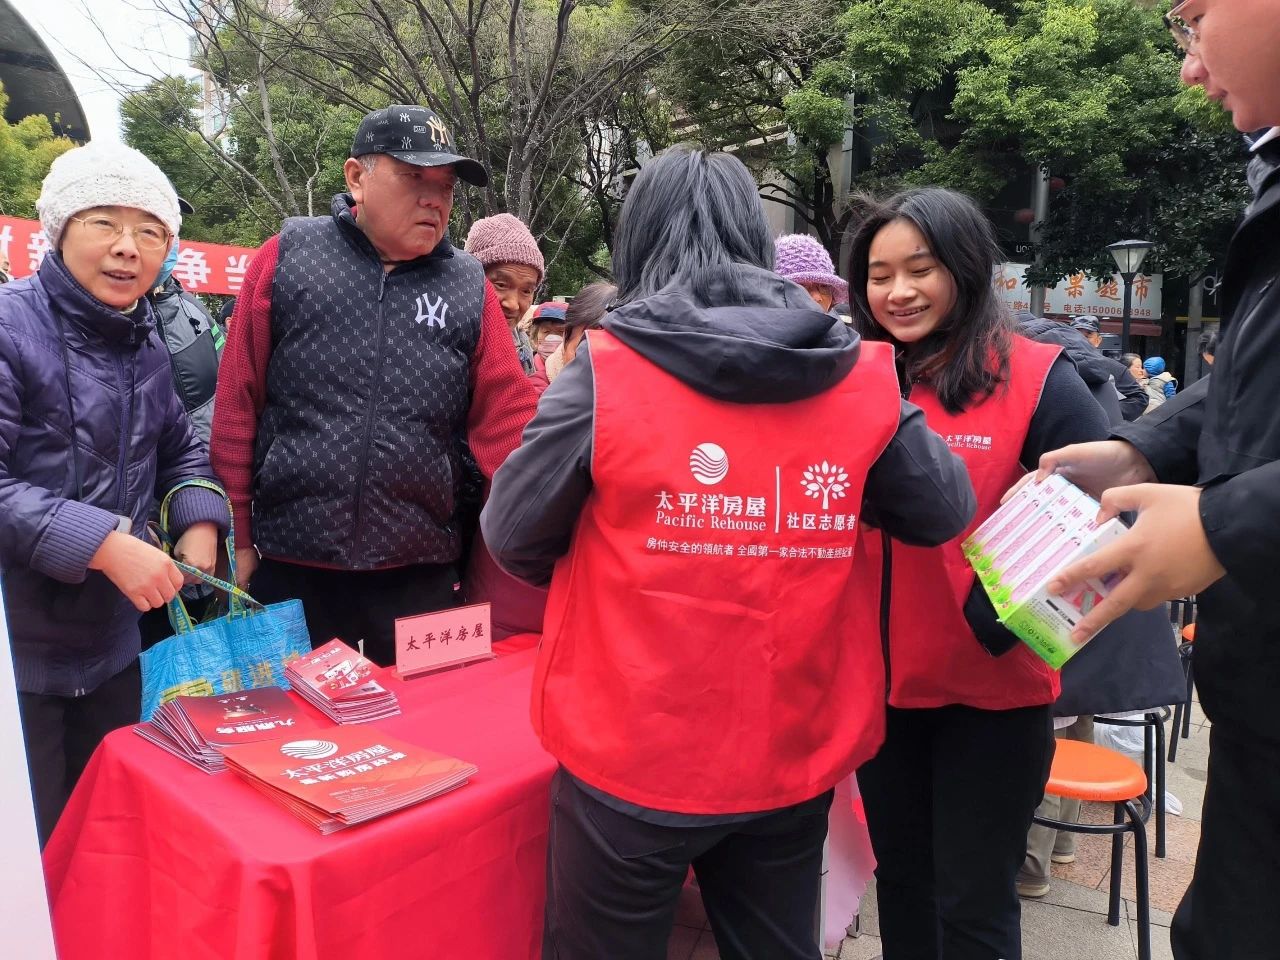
[{"x": 1032, "y": 889}]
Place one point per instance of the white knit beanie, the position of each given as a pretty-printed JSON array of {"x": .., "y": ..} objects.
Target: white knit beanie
[{"x": 105, "y": 175}]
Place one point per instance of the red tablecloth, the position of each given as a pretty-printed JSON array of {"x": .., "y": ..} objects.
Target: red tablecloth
[{"x": 155, "y": 859}]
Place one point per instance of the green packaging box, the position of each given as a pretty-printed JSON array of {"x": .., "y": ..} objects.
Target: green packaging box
[{"x": 1020, "y": 548}]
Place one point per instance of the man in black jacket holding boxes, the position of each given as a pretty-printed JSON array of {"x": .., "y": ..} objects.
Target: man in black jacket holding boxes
[{"x": 1203, "y": 473}]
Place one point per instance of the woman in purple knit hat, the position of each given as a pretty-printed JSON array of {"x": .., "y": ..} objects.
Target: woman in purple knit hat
[{"x": 803, "y": 259}]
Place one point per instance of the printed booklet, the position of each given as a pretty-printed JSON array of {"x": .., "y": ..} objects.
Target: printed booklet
[
  {"x": 346, "y": 775},
  {"x": 198, "y": 729}
]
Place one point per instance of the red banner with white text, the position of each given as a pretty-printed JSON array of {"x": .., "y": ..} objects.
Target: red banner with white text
[{"x": 201, "y": 267}]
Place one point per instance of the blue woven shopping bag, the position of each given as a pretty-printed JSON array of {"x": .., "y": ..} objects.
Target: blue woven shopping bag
[{"x": 246, "y": 648}]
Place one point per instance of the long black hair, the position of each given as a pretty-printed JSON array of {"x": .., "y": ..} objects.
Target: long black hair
[
  {"x": 692, "y": 220},
  {"x": 588, "y": 307},
  {"x": 967, "y": 357}
]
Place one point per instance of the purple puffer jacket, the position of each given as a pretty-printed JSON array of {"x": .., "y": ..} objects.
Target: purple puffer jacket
[{"x": 67, "y": 360}]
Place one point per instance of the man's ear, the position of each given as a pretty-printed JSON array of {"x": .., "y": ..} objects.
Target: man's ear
[{"x": 354, "y": 172}]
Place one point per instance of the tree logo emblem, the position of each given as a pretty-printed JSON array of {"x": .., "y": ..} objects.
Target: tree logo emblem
[
  {"x": 826, "y": 479},
  {"x": 708, "y": 463}
]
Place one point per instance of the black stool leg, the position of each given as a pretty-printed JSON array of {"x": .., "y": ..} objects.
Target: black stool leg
[
  {"x": 1177, "y": 727},
  {"x": 1148, "y": 759},
  {"x": 1191, "y": 690},
  {"x": 1143, "y": 890},
  {"x": 1160, "y": 786},
  {"x": 1117, "y": 867}
]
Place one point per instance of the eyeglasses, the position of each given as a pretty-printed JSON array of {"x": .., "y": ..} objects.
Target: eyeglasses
[
  {"x": 104, "y": 229},
  {"x": 1185, "y": 35}
]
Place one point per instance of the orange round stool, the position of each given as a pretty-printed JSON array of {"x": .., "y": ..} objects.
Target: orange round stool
[
  {"x": 1153, "y": 761},
  {"x": 1085, "y": 771}
]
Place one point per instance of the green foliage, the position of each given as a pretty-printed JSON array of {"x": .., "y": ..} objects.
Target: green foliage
[
  {"x": 962, "y": 93},
  {"x": 239, "y": 193},
  {"x": 976, "y": 95},
  {"x": 815, "y": 117},
  {"x": 899, "y": 47},
  {"x": 777, "y": 93},
  {"x": 521, "y": 87},
  {"x": 161, "y": 122},
  {"x": 27, "y": 148}
]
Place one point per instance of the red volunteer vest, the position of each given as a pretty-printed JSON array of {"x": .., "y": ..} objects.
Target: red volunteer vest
[
  {"x": 697, "y": 654},
  {"x": 934, "y": 658}
]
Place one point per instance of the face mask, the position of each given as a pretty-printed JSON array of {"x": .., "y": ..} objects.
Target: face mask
[
  {"x": 166, "y": 268},
  {"x": 547, "y": 345}
]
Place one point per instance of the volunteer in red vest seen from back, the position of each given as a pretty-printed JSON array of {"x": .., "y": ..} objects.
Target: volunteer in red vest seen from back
[
  {"x": 691, "y": 487},
  {"x": 968, "y": 744},
  {"x": 363, "y": 345}
]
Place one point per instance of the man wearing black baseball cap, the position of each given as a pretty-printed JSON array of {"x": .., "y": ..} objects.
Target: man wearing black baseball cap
[
  {"x": 416, "y": 136},
  {"x": 363, "y": 347}
]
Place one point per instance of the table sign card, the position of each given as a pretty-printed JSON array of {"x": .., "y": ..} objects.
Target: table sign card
[{"x": 446, "y": 638}]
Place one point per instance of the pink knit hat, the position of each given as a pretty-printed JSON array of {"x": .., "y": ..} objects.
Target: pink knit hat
[
  {"x": 803, "y": 259},
  {"x": 504, "y": 239}
]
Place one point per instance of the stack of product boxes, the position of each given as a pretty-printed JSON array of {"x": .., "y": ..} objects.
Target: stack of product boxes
[{"x": 1043, "y": 528}]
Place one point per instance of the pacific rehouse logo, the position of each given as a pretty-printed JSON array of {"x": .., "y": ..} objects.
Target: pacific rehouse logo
[
  {"x": 309, "y": 749},
  {"x": 708, "y": 463}
]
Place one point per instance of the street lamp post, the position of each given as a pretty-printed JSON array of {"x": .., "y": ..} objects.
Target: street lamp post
[{"x": 1128, "y": 255}]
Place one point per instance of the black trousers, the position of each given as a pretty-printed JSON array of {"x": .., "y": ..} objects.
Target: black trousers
[
  {"x": 61, "y": 734},
  {"x": 613, "y": 880},
  {"x": 355, "y": 605},
  {"x": 1229, "y": 911},
  {"x": 949, "y": 799}
]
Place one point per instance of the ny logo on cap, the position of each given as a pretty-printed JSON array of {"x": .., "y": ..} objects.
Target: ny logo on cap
[{"x": 439, "y": 134}]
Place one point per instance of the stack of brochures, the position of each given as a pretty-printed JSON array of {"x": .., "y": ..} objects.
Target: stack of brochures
[
  {"x": 198, "y": 729},
  {"x": 341, "y": 684},
  {"x": 346, "y": 776}
]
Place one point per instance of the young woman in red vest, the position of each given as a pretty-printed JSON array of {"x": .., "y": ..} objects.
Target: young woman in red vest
[
  {"x": 691, "y": 481},
  {"x": 968, "y": 741}
]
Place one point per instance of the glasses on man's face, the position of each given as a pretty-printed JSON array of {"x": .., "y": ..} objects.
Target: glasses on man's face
[
  {"x": 104, "y": 229},
  {"x": 1184, "y": 34}
]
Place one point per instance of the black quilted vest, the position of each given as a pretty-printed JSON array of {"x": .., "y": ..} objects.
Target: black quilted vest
[{"x": 356, "y": 463}]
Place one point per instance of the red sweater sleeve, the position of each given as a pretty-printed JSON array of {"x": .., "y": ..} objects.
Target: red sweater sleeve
[
  {"x": 503, "y": 398},
  {"x": 242, "y": 388}
]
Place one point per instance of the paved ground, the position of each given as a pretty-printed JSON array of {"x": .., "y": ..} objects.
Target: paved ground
[{"x": 1070, "y": 922}]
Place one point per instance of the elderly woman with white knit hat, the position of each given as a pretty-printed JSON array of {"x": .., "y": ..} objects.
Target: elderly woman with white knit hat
[{"x": 91, "y": 432}]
